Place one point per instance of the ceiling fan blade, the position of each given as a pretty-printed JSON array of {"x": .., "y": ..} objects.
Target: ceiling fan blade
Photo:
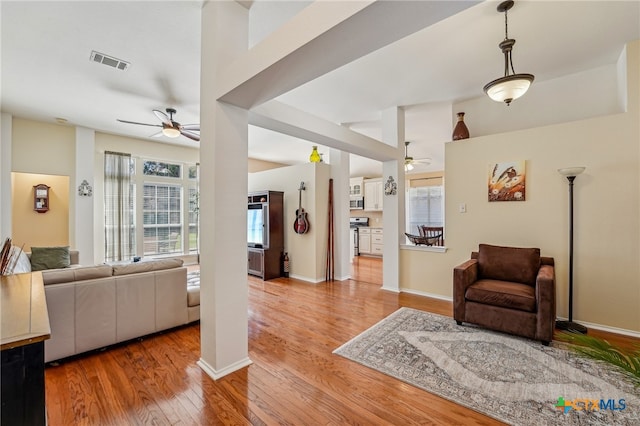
[
  {"x": 190, "y": 135},
  {"x": 163, "y": 117},
  {"x": 135, "y": 122},
  {"x": 190, "y": 127},
  {"x": 156, "y": 135}
]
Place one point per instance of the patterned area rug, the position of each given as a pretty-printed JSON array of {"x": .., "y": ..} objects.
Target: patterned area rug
[{"x": 514, "y": 380}]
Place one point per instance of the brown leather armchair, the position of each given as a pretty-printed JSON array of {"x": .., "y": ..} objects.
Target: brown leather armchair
[{"x": 508, "y": 289}]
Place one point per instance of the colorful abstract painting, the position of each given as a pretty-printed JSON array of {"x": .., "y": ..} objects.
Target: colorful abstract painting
[{"x": 507, "y": 181}]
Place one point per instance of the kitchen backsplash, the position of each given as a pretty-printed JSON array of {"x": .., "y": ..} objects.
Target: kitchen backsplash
[{"x": 375, "y": 218}]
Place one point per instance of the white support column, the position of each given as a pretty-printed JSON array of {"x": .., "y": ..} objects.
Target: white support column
[
  {"x": 5, "y": 176},
  {"x": 393, "y": 206},
  {"x": 339, "y": 161},
  {"x": 223, "y": 199},
  {"x": 81, "y": 217}
]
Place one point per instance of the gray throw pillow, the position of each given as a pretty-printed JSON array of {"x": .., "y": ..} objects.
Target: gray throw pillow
[{"x": 49, "y": 258}]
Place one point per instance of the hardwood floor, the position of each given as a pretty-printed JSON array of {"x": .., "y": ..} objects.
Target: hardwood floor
[{"x": 294, "y": 379}]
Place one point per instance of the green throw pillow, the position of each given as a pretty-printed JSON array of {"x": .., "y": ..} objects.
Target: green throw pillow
[{"x": 49, "y": 258}]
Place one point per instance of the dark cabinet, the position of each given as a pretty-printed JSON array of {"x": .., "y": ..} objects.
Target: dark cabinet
[
  {"x": 23, "y": 385},
  {"x": 24, "y": 326},
  {"x": 265, "y": 229},
  {"x": 256, "y": 261}
]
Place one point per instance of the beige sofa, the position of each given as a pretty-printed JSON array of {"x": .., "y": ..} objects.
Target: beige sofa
[{"x": 97, "y": 306}]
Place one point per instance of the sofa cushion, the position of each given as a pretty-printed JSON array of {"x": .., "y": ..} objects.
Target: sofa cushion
[
  {"x": 505, "y": 294},
  {"x": 515, "y": 264},
  {"x": 153, "y": 265},
  {"x": 49, "y": 258},
  {"x": 193, "y": 295},
  {"x": 76, "y": 274}
]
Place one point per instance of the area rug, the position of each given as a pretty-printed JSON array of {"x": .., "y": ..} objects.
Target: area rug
[{"x": 517, "y": 381}]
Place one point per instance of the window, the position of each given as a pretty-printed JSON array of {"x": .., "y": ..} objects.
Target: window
[
  {"x": 119, "y": 207},
  {"x": 194, "y": 210},
  {"x": 425, "y": 206},
  {"x": 162, "y": 218},
  {"x": 155, "y": 168}
]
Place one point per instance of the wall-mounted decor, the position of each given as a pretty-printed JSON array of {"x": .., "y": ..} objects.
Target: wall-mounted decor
[
  {"x": 85, "y": 190},
  {"x": 390, "y": 187},
  {"x": 41, "y": 198},
  {"x": 507, "y": 181}
]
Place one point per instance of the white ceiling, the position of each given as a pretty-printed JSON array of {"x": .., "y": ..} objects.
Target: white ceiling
[{"x": 47, "y": 74}]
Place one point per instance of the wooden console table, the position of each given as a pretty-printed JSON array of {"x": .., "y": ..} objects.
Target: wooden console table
[{"x": 24, "y": 328}]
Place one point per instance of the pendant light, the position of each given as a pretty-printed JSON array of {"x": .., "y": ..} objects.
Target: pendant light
[{"x": 511, "y": 86}]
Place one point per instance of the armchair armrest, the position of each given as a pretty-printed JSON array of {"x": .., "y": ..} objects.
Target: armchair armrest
[
  {"x": 464, "y": 275},
  {"x": 546, "y": 302}
]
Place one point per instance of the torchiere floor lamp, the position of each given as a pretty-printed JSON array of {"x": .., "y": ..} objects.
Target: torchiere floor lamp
[{"x": 571, "y": 173}]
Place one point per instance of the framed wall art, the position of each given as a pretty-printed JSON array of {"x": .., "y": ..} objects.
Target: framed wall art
[{"x": 507, "y": 181}]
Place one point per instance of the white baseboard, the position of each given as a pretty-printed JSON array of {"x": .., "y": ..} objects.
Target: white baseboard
[
  {"x": 600, "y": 327},
  {"x": 215, "y": 374},
  {"x": 317, "y": 281},
  {"x": 425, "y": 294}
]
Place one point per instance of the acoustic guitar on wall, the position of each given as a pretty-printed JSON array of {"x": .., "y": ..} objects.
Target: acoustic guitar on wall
[{"x": 301, "y": 224}]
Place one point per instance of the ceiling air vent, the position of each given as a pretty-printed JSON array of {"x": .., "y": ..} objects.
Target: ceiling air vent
[{"x": 101, "y": 58}]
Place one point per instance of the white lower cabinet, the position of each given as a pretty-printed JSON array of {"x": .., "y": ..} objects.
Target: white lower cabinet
[
  {"x": 376, "y": 241},
  {"x": 370, "y": 241},
  {"x": 364, "y": 240}
]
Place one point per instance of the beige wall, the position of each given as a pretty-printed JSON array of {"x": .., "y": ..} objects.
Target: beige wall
[
  {"x": 607, "y": 210},
  {"x": 42, "y": 148},
  {"x": 307, "y": 252},
  {"x": 255, "y": 166},
  {"x": 35, "y": 229}
]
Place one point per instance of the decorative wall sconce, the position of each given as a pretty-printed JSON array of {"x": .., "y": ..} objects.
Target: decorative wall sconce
[
  {"x": 390, "y": 187},
  {"x": 85, "y": 190}
]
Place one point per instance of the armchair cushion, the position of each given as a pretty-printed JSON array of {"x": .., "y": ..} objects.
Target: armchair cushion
[
  {"x": 514, "y": 264},
  {"x": 503, "y": 293}
]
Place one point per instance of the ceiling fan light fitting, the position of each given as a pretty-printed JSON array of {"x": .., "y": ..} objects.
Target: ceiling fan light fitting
[
  {"x": 171, "y": 132},
  {"x": 408, "y": 167}
]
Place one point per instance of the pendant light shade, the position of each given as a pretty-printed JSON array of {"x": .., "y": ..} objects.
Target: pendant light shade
[{"x": 511, "y": 86}]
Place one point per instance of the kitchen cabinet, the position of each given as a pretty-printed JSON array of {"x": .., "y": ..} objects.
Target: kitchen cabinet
[
  {"x": 373, "y": 193},
  {"x": 356, "y": 186},
  {"x": 371, "y": 241},
  {"x": 376, "y": 241},
  {"x": 364, "y": 240}
]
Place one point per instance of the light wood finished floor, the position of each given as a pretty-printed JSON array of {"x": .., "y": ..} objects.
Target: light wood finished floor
[{"x": 294, "y": 379}]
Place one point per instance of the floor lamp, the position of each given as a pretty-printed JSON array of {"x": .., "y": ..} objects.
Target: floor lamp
[{"x": 571, "y": 173}]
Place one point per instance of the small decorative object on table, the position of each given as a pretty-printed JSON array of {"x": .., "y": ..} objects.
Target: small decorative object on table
[{"x": 460, "y": 131}]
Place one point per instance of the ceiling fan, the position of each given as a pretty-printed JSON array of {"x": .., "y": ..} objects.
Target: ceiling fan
[
  {"x": 409, "y": 162},
  {"x": 171, "y": 128}
]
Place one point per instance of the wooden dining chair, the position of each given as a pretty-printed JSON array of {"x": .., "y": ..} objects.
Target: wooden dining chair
[{"x": 433, "y": 234}]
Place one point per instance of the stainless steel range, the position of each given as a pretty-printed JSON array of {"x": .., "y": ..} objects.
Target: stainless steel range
[{"x": 354, "y": 224}]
